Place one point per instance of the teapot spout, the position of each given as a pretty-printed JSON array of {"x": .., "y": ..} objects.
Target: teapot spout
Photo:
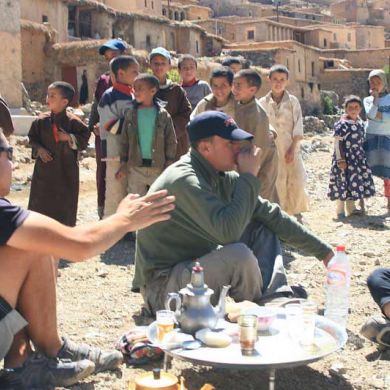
[{"x": 220, "y": 310}]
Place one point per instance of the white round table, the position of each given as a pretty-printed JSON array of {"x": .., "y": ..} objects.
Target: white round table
[{"x": 274, "y": 349}]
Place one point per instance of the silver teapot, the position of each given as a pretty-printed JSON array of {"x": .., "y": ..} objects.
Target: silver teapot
[{"x": 194, "y": 311}]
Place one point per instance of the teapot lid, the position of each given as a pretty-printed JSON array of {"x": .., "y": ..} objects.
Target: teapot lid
[{"x": 197, "y": 286}]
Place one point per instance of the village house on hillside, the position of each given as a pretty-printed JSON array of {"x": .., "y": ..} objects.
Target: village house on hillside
[
  {"x": 322, "y": 35},
  {"x": 375, "y": 12},
  {"x": 58, "y": 39}
]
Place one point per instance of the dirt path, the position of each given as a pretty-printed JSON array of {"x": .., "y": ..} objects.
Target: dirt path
[{"x": 95, "y": 304}]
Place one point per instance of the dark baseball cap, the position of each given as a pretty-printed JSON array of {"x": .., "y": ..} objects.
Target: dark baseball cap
[
  {"x": 113, "y": 44},
  {"x": 211, "y": 123}
]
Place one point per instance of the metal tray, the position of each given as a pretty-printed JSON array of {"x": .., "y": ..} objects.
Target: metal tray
[{"x": 275, "y": 349}]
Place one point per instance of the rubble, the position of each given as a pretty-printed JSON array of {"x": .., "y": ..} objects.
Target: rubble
[{"x": 314, "y": 125}]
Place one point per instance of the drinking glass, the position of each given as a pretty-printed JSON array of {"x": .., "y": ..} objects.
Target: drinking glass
[
  {"x": 248, "y": 333},
  {"x": 165, "y": 323}
]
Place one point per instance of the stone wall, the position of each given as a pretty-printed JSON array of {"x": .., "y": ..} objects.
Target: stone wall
[
  {"x": 35, "y": 38},
  {"x": 303, "y": 83},
  {"x": 369, "y": 58},
  {"x": 55, "y": 11},
  {"x": 11, "y": 53},
  {"x": 346, "y": 82}
]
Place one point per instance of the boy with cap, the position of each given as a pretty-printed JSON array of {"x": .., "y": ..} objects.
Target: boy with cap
[
  {"x": 174, "y": 95},
  {"x": 110, "y": 49},
  {"x": 220, "y": 221},
  {"x": 251, "y": 116},
  {"x": 112, "y": 108}
]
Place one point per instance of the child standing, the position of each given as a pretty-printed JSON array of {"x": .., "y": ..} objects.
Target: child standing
[
  {"x": 56, "y": 137},
  {"x": 377, "y": 143},
  {"x": 285, "y": 115},
  {"x": 112, "y": 107},
  {"x": 350, "y": 177},
  {"x": 195, "y": 89},
  {"x": 148, "y": 140},
  {"x": 221, "y": 98},
  {"x": 174, "y": 95},
  {"x": 251, "y": 117}
]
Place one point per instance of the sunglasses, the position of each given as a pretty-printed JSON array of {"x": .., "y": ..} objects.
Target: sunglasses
[{"x": 8, "y": 150}]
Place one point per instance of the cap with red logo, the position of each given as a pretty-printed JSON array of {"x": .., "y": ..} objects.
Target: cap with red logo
[{"x": 210, "y": 123}]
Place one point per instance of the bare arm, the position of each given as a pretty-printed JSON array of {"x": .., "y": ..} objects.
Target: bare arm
[{"x": 44, "y": 235}]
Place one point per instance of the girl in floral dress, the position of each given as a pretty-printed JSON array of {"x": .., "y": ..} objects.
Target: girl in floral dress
[{"x": 350, "y": 176}]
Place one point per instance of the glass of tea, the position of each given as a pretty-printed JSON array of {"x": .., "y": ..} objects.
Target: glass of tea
[
  {"x": 248, "y": 333},
  {"x": 165, "y": 323}
]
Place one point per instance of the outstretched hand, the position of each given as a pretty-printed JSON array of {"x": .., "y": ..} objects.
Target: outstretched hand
[{"x": 143, "y": 211}]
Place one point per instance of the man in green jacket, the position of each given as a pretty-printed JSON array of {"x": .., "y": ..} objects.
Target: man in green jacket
[{"x": 219, "y": 221}]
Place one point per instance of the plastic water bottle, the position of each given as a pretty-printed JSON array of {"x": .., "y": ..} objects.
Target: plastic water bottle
[{"x": 337, "y": 287}]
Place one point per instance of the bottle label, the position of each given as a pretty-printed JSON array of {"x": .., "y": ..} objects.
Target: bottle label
[{"x": 336, "y": 276}]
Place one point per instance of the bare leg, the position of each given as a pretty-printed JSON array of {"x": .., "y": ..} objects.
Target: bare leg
[
  {"x": 386, "y": 310},
  {"x": 19, "y": 351},
  {"x": 362, "y": 205},
  {"x": 27, "y": 282}
]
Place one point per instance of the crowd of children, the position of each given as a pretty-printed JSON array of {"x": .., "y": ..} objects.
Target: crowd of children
[{"x": 140, "y": 120}]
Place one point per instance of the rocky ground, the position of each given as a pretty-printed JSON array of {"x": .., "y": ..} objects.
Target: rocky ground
[{"x": 95, "y": 304}]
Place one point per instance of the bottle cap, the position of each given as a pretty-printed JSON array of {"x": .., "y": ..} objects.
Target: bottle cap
[{"x": 340, "y": 248}]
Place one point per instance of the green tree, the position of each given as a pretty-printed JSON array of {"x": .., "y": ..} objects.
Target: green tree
[{"x": 328, "y": 105}]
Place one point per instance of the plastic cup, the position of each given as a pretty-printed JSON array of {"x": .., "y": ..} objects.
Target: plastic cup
[
  {"x": 309, "y": 311},
  {"x": 165, "y": 323},
  {"x": 294, "y": 317},
  {"x": 248, "y": 333}
]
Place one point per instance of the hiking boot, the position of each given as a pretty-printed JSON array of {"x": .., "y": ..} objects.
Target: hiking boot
[
  {"x": 377, "y": 329},
  {"x": 42, "y": 372},
  {"x": 103, "y": 360}
]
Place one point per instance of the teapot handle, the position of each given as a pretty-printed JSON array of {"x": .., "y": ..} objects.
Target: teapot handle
[{"x": 173, "y": 297}]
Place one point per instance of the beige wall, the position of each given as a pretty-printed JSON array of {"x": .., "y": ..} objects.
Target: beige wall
[
  {"x": 370, "y": 58},
  {"x": 370, "y": 37},
  {"x": 55, "y": 10},
  {"x": 34, "y": 59},
  {"x": 195, "y": 13},
  {"x": 11, "y": 57},
  {"x": 145, "y": 31},
  {"x": 351, "y": 10},
  {"x": 146, "y": 7},
  {"x": 342, "y": 37},
  {"x": 299, "y": 59},
  {"x": 346, "y": 82}
]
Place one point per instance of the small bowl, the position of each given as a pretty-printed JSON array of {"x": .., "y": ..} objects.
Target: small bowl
[{"x": 265, "y": 317}]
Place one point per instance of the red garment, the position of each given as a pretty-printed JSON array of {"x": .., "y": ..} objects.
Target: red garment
[
  {"x": 387, "y": 187},
  {"x": 190, "y": 83},
  {"x": 126, "y": 89},
  {"x": 103, "y": 83},
  {"x": 55, "y": 132}
]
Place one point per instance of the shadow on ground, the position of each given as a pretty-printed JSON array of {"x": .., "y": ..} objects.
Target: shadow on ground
[
  {"x": 371, "y": 222},
  {"x": 303, "y": 378},
  {"x": 122, "y": 253}
]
